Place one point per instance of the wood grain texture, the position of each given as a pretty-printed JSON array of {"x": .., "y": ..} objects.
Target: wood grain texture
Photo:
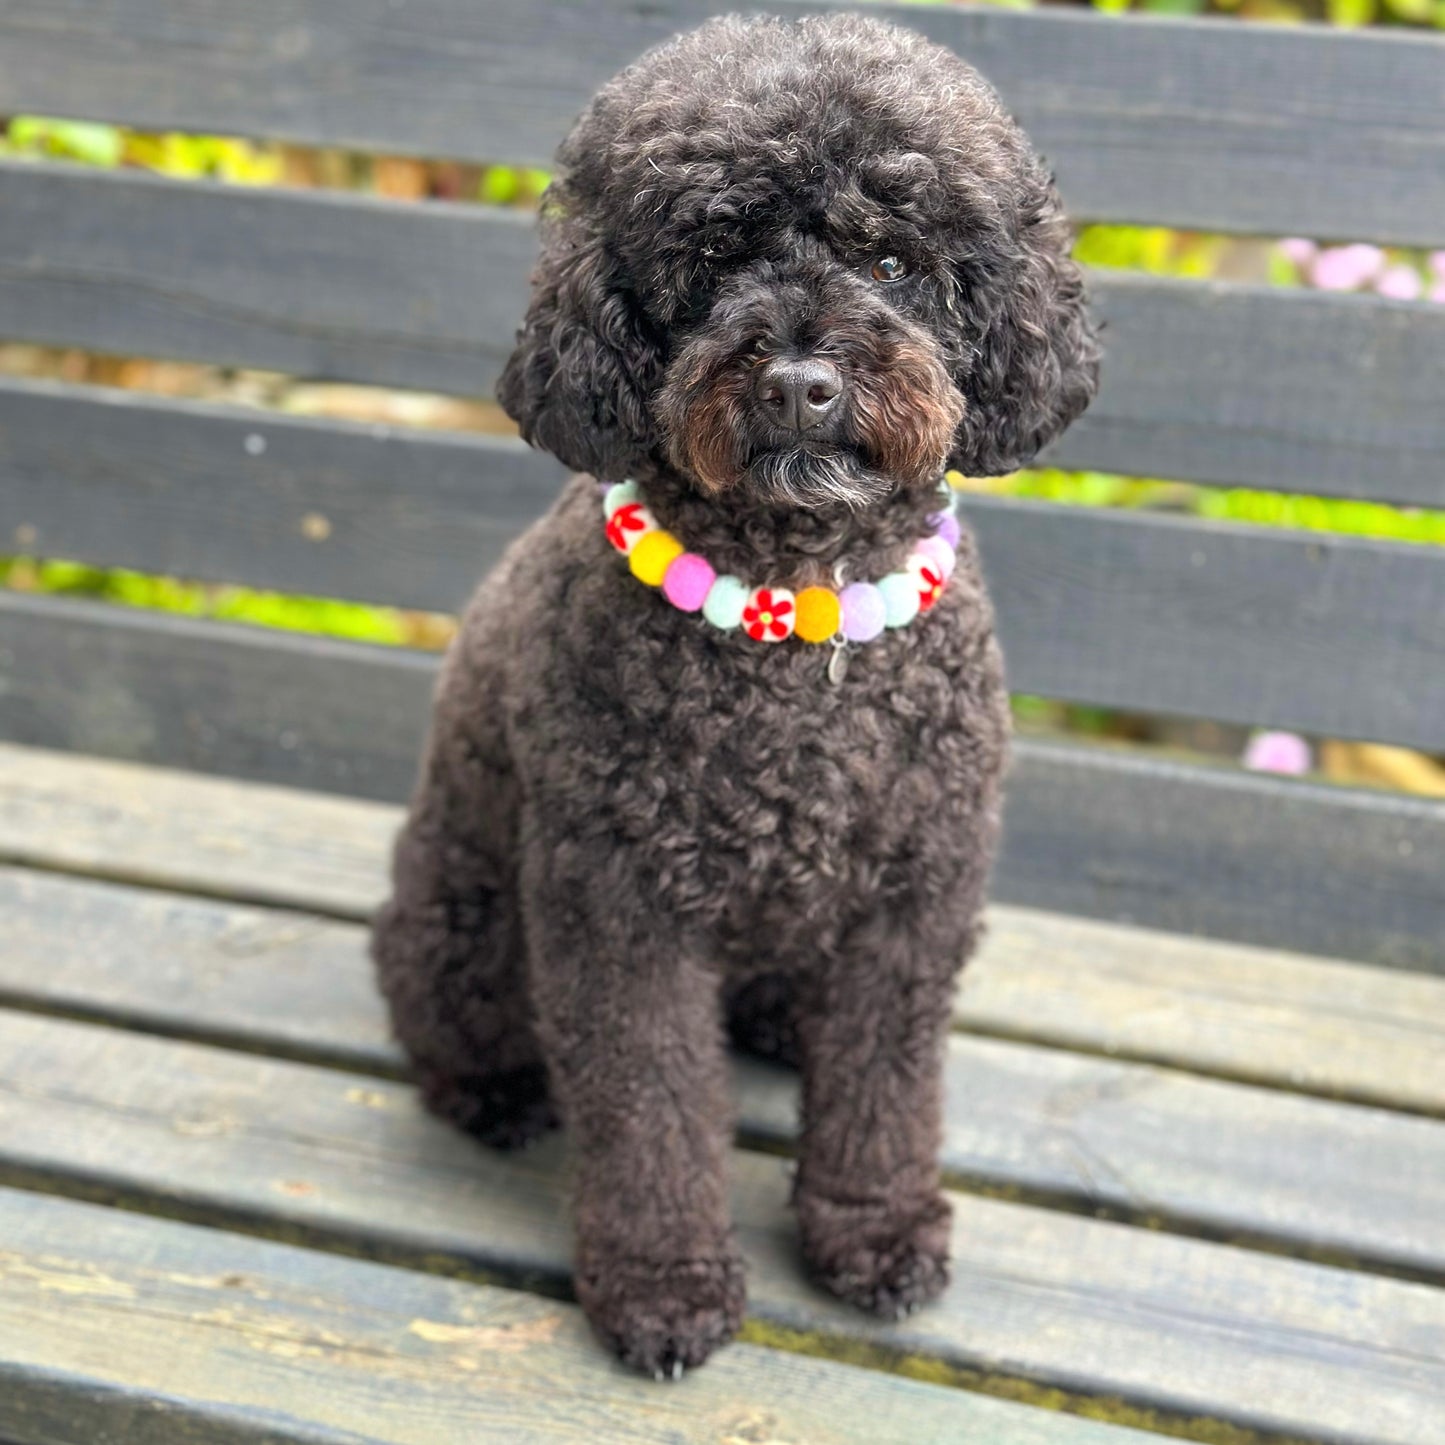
[
  {"x": 1090, "y": 831},
  {"x": 1310, "y": 1024},
  {"x": 1216, "y": 382},
  {"x": 175, "y": 1335},
  {"x": 1318, "y": 632},
  {"x": 383, "y": 514},
  {"x": 1094, "y": 1307},
  {"x": 1203, "y": 125},
  {"x": 1120, "y": 609},
  {"x": 316, "y": 283},
  {"x": 1124, "y": 1139}
]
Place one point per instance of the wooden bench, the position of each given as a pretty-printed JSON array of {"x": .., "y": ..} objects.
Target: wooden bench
[{"x": 1197, "y": 1123}]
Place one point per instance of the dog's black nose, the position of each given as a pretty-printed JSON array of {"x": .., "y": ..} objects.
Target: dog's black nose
[{"x": 799, "y": 393}]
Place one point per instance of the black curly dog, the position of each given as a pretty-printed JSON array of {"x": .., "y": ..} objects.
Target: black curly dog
[{"x": 789, "y": 273}]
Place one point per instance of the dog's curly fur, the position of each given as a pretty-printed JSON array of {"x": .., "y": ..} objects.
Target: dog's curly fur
[{"x": 633, "y": 831}]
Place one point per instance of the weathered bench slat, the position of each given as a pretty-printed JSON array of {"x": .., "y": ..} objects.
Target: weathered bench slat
[
  {"x": 1196, "y": 125},
  {"x": 1260, "y": 1016},
  {"x": 1119, "y": 609},
  {"x": 287, "y": 982},
  {"x": 191, "y": 1335},
  {"x": 1090, "y": 831},
  {"x": 1062, "y": 1301},
  {"x": 1212, "y": 382},
  {"x": 1129, "y": 1140}
]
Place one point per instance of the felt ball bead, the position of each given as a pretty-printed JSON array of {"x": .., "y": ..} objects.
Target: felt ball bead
[
  {"x": 618, "y": 495},
  {"x": 652, "y": 555},
  {"x": 900, "y": 598},
  {"x": 770, "y": 615},
  {"x": 939, "y": 553},
  {"x": 688, "y": 581},
  {"x": 928, "y": 578},
  {"x": 629, "y": 524},
  {"x": 864, "y": 612},
  {"x": 725, "y": 601},
  {"x": 819, "y": 614},
  {"x": 945, "y": 525}
]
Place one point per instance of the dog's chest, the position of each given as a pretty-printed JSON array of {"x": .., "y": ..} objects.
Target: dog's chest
[{"x": 765, "y": 799}]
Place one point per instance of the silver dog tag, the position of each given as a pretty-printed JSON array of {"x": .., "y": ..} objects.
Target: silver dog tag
[{"x": 838, "y": 663}]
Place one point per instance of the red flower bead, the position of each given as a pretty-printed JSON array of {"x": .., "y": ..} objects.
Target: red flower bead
[
  {"x": 930, "y": 584},
  {"x": 629, "y": 518},
  {"x": 768, "y": 617}
]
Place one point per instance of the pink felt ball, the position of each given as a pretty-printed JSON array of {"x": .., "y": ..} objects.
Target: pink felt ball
[
  {"x": 945, "y": 525},
  {"x": 939, "y": 552},
  {"x": 687, "y": 580},
  {"x": 864, "y": 612}
]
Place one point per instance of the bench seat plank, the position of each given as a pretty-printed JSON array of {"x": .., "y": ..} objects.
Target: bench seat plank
[
  {"x": 1126, "y": 1140},
  {"x": 1258, "y": 1015},
  {"x": 1290, "y": 1021},
  {"x": 190, "y": 1335},
  {"x": 1173, "y": 123},
  {"x": 1206, "y": 381},
  {"x": 1090, "y": 1307},
  {"x": 1090, "y": 830}
]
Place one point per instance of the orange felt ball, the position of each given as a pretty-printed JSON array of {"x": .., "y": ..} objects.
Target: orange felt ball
[{"x": 819, "y": 614}]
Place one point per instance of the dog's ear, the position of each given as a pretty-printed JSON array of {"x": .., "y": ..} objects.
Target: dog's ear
[
  {"x": 1035, "y": 358},
  {"x": 580, "y": 380}
]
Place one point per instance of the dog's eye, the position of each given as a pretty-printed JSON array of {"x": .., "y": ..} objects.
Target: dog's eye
[{"x": 889, "y": 268}]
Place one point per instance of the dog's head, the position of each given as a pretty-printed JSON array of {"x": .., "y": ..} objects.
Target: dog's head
[{"x": 812, "y": 261}]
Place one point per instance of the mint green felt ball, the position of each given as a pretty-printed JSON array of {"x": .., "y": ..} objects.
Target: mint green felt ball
[
  {"x": 900, "y": 598},
  {"x": 724, "y": 604},
  {"x": 618, "y": 495}
]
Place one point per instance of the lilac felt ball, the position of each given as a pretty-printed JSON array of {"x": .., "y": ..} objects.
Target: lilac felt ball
[
  {"x": 939, "y": 553},
  {"x": 687, "y": 580},
  {"x": 864, "y": 614},
  {"x": 945, "y": 525}
]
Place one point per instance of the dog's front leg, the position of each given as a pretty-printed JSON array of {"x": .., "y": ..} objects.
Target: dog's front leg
[
  {"x": 632, "y": 1027},
  {"x": 873, "y": 1028}
]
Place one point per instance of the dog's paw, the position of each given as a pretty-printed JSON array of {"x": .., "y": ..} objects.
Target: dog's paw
[
  {"x": 505, "y": 1111},
  {"x": 663, "y": 1319},
  {"x": 885, "y": 1259}
]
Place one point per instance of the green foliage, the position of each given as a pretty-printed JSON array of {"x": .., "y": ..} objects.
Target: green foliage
[
  {"x": 1228, "y": 504},
  {"x": 512, "y": 185},
  {"x": 190, "y": 156},
  {"x": 74, "y": 140},
  {"x": 1153, "y": 249},
  {"x": 193, "y": 599}
]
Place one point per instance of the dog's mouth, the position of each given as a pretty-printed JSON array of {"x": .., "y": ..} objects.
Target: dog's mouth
[{"x": 813, "y": 473}]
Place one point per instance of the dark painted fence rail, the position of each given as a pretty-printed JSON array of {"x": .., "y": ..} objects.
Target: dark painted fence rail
[
  {"x": 1191, "y": 123},
  {"x": 1211, "y": 382},
  {"x": 1126, "y": 610}
]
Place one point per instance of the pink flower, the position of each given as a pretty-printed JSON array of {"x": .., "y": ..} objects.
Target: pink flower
[
  {"x": 1437, "y": 266},
  {"x": 1401, "y": 282},
  {"x": 1299, "y": 250},
  {"x": 1277, "y": 753},
  {"x": 1437, "y": 292},
  {"x": 1347, "y": 268}
]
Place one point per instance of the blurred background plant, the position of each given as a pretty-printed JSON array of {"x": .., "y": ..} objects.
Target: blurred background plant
[{"x": 1332, "y": 264}]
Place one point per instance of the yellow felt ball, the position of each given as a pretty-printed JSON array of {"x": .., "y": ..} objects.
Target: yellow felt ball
[
  {"x": 652, "y": 555},
  {"x": 819, "y": 614}
]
